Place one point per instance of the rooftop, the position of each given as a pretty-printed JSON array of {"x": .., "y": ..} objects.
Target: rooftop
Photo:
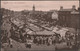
[{"x": 66, "y": 10}]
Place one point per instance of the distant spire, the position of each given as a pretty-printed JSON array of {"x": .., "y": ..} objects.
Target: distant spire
[{"x": 33, "y": 7}]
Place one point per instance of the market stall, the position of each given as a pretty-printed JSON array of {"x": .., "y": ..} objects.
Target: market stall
[{"x": 45, "y": 33}]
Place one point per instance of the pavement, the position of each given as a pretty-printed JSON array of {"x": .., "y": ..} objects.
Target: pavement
[{"x": 17, "y": 46}]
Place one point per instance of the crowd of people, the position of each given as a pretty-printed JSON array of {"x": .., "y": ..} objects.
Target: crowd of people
[
  {"x": 69, "y": 39},
  {"x": 43, "y": 40}
]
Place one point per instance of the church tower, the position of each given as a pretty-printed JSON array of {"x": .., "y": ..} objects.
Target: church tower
[{"x": 33, "y": 8}]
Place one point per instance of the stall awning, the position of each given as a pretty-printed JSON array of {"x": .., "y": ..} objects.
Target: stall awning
[
  {"x": 31, "y": 33},
  {"x": 62, "y": 31},
  {"x": 45, "y": 32}
]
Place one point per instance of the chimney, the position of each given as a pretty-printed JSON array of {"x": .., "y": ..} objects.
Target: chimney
[
  {"x": 79, "y": 10},
  {"x": 79, "y": 7},
  {"x": 61, "y": 7},
  {"x": 73, "y": 7}
]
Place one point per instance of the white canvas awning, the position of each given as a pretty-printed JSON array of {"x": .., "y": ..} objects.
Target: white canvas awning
[
  {"x": 45, "y": 32},
  {"x": 31, "y": 33},
  {"x": 62, "y": 31}
]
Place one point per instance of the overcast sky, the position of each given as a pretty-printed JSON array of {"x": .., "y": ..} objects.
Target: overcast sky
[{"x": 40, "y": 5}]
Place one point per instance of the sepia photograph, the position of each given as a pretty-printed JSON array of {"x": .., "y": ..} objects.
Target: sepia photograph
[{"x": 40, "y": 25}]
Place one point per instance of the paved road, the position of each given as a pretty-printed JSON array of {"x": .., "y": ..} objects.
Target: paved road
[
  {"x": 17, "y": 46},
  {"x": 21, "y": 47}
]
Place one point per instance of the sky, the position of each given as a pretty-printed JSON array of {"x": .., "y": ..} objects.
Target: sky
[{"x": 39, "y": 5}]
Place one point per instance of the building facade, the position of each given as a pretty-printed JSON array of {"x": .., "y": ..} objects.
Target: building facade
[{"x": 69, "y": 17}]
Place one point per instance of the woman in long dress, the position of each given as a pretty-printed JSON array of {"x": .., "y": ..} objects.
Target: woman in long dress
[
  {"x": 50, "y": 41},
  {"x": 29, "y": 42}
]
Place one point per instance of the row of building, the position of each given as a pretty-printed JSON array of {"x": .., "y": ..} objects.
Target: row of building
[
  {"x": 69, "y": 17},
  {"x": 66, "y": 17}
]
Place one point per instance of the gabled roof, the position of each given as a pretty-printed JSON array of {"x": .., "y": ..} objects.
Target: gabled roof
[
  {"x": 34, "y": 28},
  {"x": 45, "y": 32}
]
